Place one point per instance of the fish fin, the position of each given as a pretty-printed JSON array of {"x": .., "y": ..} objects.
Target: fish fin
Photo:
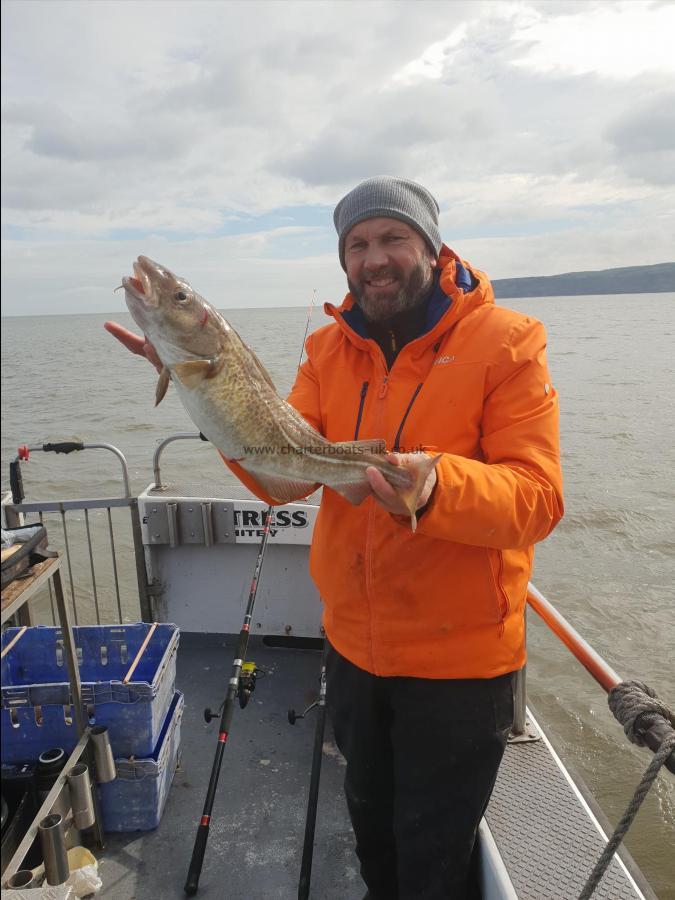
[
  {"x": 260, "y": 368},
  {"x": 192, "y": 371},
  {"x": 376, "y": 446},
  {"x": 280, "y": 489},
  {"x": 162, "y": 385},
  {"x": 355, "y": 493},
  {"x": 252, "y": 363},
  {"x": 419, "y": 466}
]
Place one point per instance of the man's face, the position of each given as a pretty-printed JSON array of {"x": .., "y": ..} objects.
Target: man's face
[{"x": 389, "y": 267}]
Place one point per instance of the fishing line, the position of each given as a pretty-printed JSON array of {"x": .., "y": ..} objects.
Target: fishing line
[{"x": 309, "y": 316}]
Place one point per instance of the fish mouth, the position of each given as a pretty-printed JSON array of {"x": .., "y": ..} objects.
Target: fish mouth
[{"x": 139, "y": 285}]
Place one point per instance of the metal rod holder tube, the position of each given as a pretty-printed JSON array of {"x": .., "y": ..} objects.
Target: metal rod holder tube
[
  {"x": 22, "y": 880},
  {"x": 53, "y": 840},
  {"x": 81, "y": 800},
  {"x": 103, "y": 757},
  {"x": 172, "y": 513},
  {"x": 207, "y": 521}
]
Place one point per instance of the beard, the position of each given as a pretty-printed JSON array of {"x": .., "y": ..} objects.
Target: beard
[{"x": 405, "y": 294}]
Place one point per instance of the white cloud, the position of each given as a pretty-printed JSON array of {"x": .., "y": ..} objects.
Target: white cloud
[
  {"x": 618, "y": 40},
  {"x": 432, "y": 63},
  {"x": 175, "y": 125}
]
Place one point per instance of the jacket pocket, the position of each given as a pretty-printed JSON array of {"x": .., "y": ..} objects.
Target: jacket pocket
[
  {"x": 496, "y": 558},
  {"x": 448, "y": 412}
]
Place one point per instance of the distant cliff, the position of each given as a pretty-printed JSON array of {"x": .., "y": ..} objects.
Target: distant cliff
[{"x": 628, "y": 280}]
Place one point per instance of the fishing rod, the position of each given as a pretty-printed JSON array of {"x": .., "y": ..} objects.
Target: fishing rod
[
  {"x": 313, "y": 798},
  {"x": 309, "y": 317},
  {"x": 241, "y": 684},
  {"x": 317, "y": 753}
]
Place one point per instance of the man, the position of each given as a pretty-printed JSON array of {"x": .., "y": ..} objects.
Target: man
[{"x": 425, "y": 629}]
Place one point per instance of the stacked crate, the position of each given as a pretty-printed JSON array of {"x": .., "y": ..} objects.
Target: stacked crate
[{"x": 128, "y": 675}]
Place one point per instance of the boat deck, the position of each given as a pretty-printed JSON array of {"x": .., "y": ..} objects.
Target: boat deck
[
  {"x": 257, "y": 828},
  {"x": 544, "y": 833}
]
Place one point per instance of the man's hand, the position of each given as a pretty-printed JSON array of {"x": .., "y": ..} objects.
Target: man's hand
[
  {"x": 135, "y": 343},
  {"x": 385, "y": 494}
]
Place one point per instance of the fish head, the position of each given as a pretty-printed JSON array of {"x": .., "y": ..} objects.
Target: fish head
[{"x": 175, "y": 318}]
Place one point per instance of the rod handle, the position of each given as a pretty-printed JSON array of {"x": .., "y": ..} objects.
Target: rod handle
[
  {"x": 16, "y": 482},
  {"x": 63, "y": 446},
  {"x": 197, "y": 860}
]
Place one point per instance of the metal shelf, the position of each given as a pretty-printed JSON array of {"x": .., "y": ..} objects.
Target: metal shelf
[{"x": 15, "y": 597}]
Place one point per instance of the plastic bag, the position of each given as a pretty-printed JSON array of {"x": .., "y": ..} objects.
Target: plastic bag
[
  {"x": 83, "y": 876},
  {"x": 18, "y": 536}
]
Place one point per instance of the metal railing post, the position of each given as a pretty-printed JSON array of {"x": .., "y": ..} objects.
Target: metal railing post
[
  {"x": 519, "y": 702},
  {"x": 522, "y": 730},
  {"x": 181, "y": 436},
  {"x": 147, "y": 606}
]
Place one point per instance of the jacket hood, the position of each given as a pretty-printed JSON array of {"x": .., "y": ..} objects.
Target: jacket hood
[{"x": 465, "y": 287}]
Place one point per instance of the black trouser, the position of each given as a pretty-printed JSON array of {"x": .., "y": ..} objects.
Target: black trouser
[{"x": 422, "y": 758}]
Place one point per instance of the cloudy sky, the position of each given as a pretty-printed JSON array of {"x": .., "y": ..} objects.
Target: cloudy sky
[{"x": 216, "y": 137}]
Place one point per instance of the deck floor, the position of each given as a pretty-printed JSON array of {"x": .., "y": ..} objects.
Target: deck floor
[
  {"x": 257, "y": 831},
  {"x": 544, "y": 834},
  {"x": 547, "y": 840}
]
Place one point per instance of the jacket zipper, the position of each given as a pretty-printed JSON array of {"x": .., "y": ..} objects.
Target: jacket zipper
[
  {"x": 396, "y": 447},
  {"x": 393, "y": 347},
  {"x": 368, "y": 545},
  {"x": 364, "y": 391},
  {"x": 368, "y": 554},
  {"x": 502, "y": 597}
]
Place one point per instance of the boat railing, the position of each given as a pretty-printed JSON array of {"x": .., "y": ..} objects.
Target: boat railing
[
  {"x": 601, "y": 671},
  {"x": 580, "y": 648},
  {"x": 591, "y": 660},
  {"x": 181, "y": 436},
  {"x": 19, "y": 507}
]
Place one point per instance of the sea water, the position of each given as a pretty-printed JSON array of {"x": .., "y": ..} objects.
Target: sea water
[{"x": 609, "y": 566}]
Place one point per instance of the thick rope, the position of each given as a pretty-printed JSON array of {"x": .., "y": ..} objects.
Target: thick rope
[{"x": 637, "y": 708}]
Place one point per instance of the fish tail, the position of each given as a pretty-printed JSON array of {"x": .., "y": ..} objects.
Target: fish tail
[{"x": 419, "y": 469}]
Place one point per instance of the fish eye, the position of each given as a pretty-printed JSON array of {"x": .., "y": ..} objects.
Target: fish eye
[{"x": 180, "y": 296}]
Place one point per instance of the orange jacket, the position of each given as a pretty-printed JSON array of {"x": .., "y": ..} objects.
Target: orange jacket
[{"x": 448, "y": 600}]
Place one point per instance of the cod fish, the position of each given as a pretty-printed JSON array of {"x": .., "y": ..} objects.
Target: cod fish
[{"x": 231, "y": 398}]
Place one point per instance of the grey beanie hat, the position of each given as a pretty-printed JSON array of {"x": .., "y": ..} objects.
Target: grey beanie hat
[{"x": 395, "y": 198}]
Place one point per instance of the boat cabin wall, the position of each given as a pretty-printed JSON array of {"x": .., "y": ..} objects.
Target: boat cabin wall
[{"x": 200, "y": 556}]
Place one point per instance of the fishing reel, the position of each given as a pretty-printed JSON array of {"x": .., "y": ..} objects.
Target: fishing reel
[
  {"x": 209, "y": 714},
  {"x": 247, "y": 679},
  {"x": 316, "y": 704},
  {"x": 293, "y": 716}
]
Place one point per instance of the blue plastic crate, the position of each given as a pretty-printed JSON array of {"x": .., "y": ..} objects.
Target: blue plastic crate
[
  {"x": 135, "y": 800},
  {"x": 36, "y": 699}
]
